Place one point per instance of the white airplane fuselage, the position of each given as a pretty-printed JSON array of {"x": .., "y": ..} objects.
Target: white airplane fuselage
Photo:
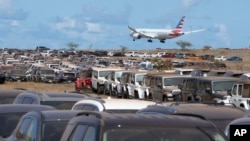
[{"x": 161, "y": 34}]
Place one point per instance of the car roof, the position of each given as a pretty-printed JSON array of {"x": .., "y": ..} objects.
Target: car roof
[
  {"x": 116, "y": 104},
  {"x": 10, "y": 92},
  {"x": 47, "y": 96},
  {"x": 141, "y": 120},
  {"x": 10, "y": 108},
  {"x": 209, "y": 111},
  {"x": 52, "y": 115}
]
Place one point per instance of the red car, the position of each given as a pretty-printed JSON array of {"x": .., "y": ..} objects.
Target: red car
[
  {"x": 84, "y": 80},
  {"x": 168, "y": 55}
]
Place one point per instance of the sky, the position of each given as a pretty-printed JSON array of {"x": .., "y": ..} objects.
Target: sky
[{"x": 103, "y": 24}]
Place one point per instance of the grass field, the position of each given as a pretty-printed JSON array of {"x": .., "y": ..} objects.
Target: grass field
[{"x": 41, "y": 87}]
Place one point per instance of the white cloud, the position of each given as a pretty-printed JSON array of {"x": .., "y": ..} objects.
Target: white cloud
[
  {"x": 65, "y": 23},
  {"x": 14, "y": 23},
  {"x": 5, "y": 6},
  {"x": 222, "y": 34},
  {"x": 190, "y": 3},
  {"x": 93, "y": 27}
]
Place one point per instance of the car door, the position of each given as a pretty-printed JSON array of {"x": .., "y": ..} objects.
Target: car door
[
  {"x": 131, "y": 84},
  {"x": 27, "y": 130}
]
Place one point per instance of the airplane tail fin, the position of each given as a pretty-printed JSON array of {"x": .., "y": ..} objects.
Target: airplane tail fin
[{"x": 180, "y": 24}]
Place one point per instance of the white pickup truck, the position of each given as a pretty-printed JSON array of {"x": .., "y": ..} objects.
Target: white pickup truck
[
  {"x": 223, "y": 58},
  {"x": 240, "y": 95}
]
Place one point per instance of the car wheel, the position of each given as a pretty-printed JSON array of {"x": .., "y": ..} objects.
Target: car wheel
[{"x": 99, "y": 89}]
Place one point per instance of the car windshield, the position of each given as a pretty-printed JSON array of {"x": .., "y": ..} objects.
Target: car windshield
[
  {"x": 161, "y": 134},
  {"x": 18, "y": 72},
  {"x": 8, "y": 122},
  {"x": 223, "y": 85},
  {"x": 60, "y": 105},
  {"x": 53, "y": 130},
  {"x": 104, "y": 73},
  {"x": 173, "y": 81},
  {"x": 139, "y": 78},
  {"x": 47, "y": 72}
]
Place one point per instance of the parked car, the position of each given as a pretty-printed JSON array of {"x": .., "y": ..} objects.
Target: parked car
[
  {"x": 235, "y": 58},
  {"x": 98, "y": 78},
  {"x": 61, "y": 101},
  {"x": 11, "y": 113},
  {"x": 168, "y": 55},
  {"x": 245, "y": 76},
  {"x": 220, "y": 58},
  {"x": 96, "y": 126},
  {"x": 112, "y": 105},
  {"x": 243, "y": 121},
  {"x": 2, "y": 78},
  {"x": 118, "y": 54},
  {"x": 7, "y": 96},
  {"x": 84, "y": 79},
  {"x": 42, "y": 126},
  {"x": 206, "y": 88},
  {"x": 17, "y": 75},
  {"x": 66, "y": 77},
  {"x": 220, "y": 115}
]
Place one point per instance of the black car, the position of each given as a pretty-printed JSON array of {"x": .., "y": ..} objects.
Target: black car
[
  {"x": 11, "y": 113},
  {"x": 42, "y": 125},
  {"x": 61, "y": 101},
  {"x": 220, "y": 115},
  {"x": 118, "y": 54},
  {"x": 101, "y": 126},
  {"x": 66, "y": 77},
  {"x": 235, "y": 58},
  {"x": 7, "y": 96},
  {"x": 2, "y": 78}
]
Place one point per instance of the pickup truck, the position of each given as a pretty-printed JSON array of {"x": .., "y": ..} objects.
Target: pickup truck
[
  {"x": 240, "y": 95},
  {"x": 223, "y": 58}
]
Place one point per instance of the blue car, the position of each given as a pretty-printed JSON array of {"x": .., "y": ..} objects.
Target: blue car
[{"x": 234, "y": 58}]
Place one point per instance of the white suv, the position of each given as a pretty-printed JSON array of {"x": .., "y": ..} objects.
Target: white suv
[
  {"x": 98, "y": 78},
  {"x": 112, "y": 105}
]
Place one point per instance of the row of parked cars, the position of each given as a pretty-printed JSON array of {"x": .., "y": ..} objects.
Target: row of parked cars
[
  {"x": 108, "y": 119},
  {"x": 172, "y": 85}
]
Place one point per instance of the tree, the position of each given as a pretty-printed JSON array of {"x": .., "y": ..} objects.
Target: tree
[
  {"x": 206, "y": 48},
  {"x": 72, "y": 46},
  {"x": 123, "y": 49},
  {"x": 161, "y": 65},
  {"x": 183, "y": 44}
]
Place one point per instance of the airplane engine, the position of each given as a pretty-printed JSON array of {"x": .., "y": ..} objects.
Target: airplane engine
[{"x": 136, "y": 36}]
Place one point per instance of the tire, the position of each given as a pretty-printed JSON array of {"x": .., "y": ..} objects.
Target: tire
[{"x": 99, "y": 89}]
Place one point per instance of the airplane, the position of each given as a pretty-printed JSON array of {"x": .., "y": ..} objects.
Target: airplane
[{"x": 161, "y": 34}]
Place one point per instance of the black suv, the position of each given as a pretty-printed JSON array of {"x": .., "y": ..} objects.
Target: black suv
[
  {"x": 61, "y": 101},
  {"x": 206, "y": 88},
  {"x": 42, "y": 125},
  {"x": 101, "y": 126},
  {"x": 219, "y": 114}
]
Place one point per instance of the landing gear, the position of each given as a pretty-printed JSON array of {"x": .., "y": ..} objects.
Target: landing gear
[{"x": 150, "y": 41}]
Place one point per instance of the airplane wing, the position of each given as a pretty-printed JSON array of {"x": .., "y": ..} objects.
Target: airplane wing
[
  {"x": 147, "y": 35},
  {"x": 194, "y": 31}
]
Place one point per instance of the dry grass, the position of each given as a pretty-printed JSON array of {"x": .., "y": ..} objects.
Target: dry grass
[{"x": 41, "y": 87}]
